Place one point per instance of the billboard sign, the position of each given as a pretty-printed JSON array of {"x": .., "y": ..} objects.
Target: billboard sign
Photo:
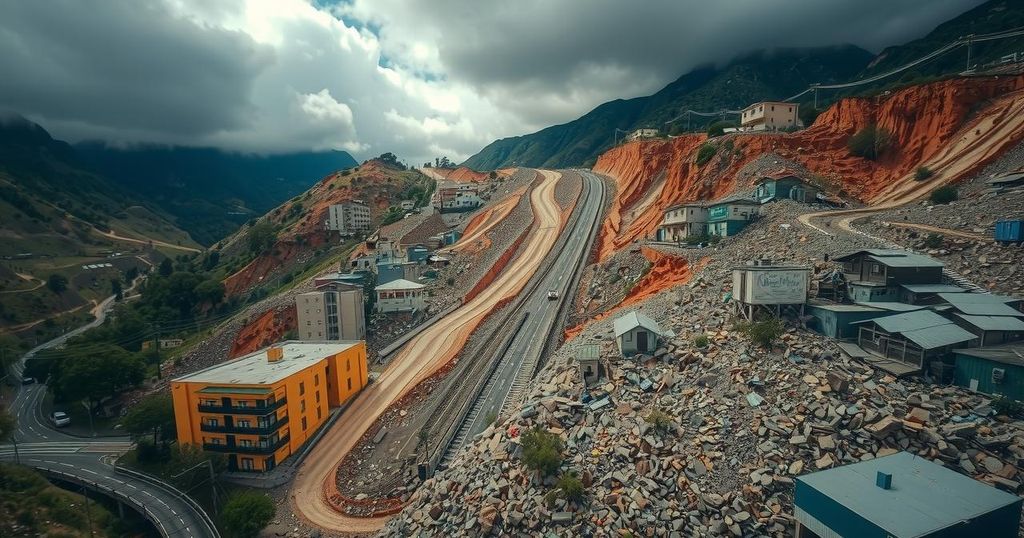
[{"x": 777, "y": 287}]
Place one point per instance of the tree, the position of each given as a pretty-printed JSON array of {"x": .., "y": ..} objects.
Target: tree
[
  {"x": 7, "y": 424},
  {"x": 718, "y": 128},
  {"x": 246, "y": 513},
  {"x": 922, "y": 173},
  {"x": 211, "y": 291},
  {"x": 492, "y": 175},
  {"x": 764, "y": 333},
  {"x": 58, "y": 284},
  {"x": 808, "y": 114},
  {"x": 166, "y": 267},
  {"x": 261, "y": 237},
  {"x": 390, "y": 159},
  {"x": 705, "y": 153},
  {"x": 153, "y": 415},
  {"x": 94, "y": 372},
  {"x": 542, "y": 451},
  {"x": 944, "y": 195},
  {"x": 869, "y": 142}
]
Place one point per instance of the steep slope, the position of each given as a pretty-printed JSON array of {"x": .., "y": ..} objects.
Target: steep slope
[
  {"x": 211, "y": 192},
  {"x": 954, "y": 127},
  {"x": 992, "y": 16},
  {"x": 295, "y": 230},
  {"x": 754, "y": 77}
]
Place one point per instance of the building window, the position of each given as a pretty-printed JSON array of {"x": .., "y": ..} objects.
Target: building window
[
  {"x": 876, "y": 269},
  {"x": 348, "y": 365},
  {"x": 244, "y": 423},
  {"x": 319, "y": 414},
  {"x": 246, "y": 443},
  {"x": 216, "y": 441},
  {"x": 350, "y": 383},
  {"x": 316, "y": 380},
  {"x": 302, "y": 406},
  {"x": 317, "y": 394},
  {"x": 302, "y": 389},
  {"x": 303, "y": 423},
  {"x": 247, "y": 464},
  {"x": 212, "y": 422},
  {"x": 242, "y": 404}
]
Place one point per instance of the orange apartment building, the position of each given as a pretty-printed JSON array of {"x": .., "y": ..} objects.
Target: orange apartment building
[{"x": 261, "y": 408}]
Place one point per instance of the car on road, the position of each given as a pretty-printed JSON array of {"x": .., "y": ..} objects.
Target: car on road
[
  {"x": 28, "y": 380},
  {"x": 552, "y": 295},
  {"x": 60, "y": 419}
]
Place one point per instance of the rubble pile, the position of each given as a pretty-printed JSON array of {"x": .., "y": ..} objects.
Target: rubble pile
[{"x": 743, "y": 423}]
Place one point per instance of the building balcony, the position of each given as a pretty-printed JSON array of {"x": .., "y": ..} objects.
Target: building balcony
[
  {"x": 236, "y": 410},
  {"x": 253, "y": 430},
  {"x": 235, "y": 448}
]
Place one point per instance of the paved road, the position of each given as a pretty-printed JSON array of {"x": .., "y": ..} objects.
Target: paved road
[
  {"x": 423, "y": 356},
  {"x": 509, "y": 379},
  {"x": 86, "y": 463},
  {"x": 86, "y": 460}
]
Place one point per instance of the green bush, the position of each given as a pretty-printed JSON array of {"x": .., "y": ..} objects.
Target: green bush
[
  {"x": 944, "y": 195},
  {"x": 246, "y": 513},
  {"x": 808, "y": 114},
  {"x": 659, "y": 420},
  {"x": 701, "y": 341},
  {"x": 571, "y": 487},
  {"x": 697, "y": 239},
  {"x": 705, "y": 153},
  {"x": 763, "y": 333},
  {"x": 1007, "y": 406},
  {"x": 922, "y": 173},
  {"x": 933, "y": 240},
  {"x": 542, "y": 451},
  {"x": 718, "y": 128},
  {"x": 869, "y": 142}
]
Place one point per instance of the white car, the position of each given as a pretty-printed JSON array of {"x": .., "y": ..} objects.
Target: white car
[
  {"x": 552, "y": 295},
  {"x": 60, "y": 419}
]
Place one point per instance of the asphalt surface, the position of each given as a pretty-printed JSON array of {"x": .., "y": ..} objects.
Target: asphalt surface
[
  {"x": 88, "y": 461},
  {"x": 528, "y": 343}
]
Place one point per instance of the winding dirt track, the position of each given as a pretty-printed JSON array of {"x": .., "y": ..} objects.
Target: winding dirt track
[
  {"x": 999, "y": 128},
  {"x": 423, "y": 356}
]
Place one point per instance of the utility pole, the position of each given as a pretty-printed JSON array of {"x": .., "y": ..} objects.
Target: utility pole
[
  {"x": 156, "y": 349},
  {"x": 815, "y": 86},
  {"x": 212, "y": 480},
  {"x": 88, "y": 516},
  {"x": 969, "y": 38},
  {"x": 17, "y": 457}
]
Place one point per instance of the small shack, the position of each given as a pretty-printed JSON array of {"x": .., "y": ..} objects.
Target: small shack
[
  {"x": 992, "y": 370},
  {"x": 774, "y": 288},
  {"x": 877, "y": 274},
  {"x": 984, "y": 304},
  {"x": 728, "y": 216},
  {"x": 901, "y": 496},
  {"x": 784, "y": 186},
  {"x": 637, "y": 333},
  {"x": 912, "y": 339},
  {"x": 589, "y": 358},
  {"x": 837, "y": 320},
  {"x": 400, "y": 296},
  {"x": 926, "y": 294},
  {"x": 992, "y": 330}
]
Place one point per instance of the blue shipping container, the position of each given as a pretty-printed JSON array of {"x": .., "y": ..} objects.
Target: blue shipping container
[{"x": 1010, "y": 231}]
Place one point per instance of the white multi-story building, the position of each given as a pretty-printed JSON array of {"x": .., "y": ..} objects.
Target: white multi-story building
[
  {"x": 332, "y": 313},
  {"x": 683, "y": 221},
  {"x": 400, "y": 296},
  {"x": 770, "y": 116},
  {"x": 348, "y": 217},
  {"x": 456, "y": 197}
]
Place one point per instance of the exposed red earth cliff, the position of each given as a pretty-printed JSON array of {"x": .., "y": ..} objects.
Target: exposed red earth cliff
[
  {"x": 458, "y": 175},
  {"x": 955, "y": 127},
  {"x": 666, "y": 271},
  {"x": 303, "y": 230},
  {"x": 268, "y": 328}
]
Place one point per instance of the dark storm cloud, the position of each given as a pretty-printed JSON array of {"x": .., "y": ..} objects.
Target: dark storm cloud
[
  {"x": 130, "y": 66},
  {"x": 551, "y": 44}
]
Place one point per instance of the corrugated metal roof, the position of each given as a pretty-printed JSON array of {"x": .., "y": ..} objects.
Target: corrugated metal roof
[
  {"x": 400, "y": 284},
  {"x": 590, "y": 351},
  {"x": 987, "y": 309},
  {"x": 938, "y": 336},
  {"x": 892, "y": 306},
  {"x": 909, "y": 321},
  {"x": 894, "y": 258},
  {"x": 994, "y": 323},
  {"x": 978, "y": 298},
  {"x": 632, "y": 320},
  {"x": 1007, "y": 354},
  {"x": 925, "y": 497},
  {"x": 932, "y": 288},
  {"x": 844, "y": 307}
]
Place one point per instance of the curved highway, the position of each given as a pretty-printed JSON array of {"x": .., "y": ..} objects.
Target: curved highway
[{"x": 422, "y": 357}]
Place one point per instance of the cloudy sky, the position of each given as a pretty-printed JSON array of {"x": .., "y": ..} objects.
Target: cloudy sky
[{"x": 418, "y": 78}]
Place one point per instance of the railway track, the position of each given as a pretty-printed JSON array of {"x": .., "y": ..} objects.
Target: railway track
[{"x": 452, "y": 424}]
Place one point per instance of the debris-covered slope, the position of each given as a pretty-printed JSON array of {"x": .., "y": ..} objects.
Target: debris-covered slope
[{"x": 954, "y": 127}]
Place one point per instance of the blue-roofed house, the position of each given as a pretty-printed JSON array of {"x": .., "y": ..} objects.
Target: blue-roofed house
[
  {"x": 926, "y": 294},
  {"x": 992, "y": 370},
  {"x": 901, "y": 496},
  {"x": 910, "y": 340},
  {"x": 837, "y": 320},
  {"x": 726, "y": 217}
]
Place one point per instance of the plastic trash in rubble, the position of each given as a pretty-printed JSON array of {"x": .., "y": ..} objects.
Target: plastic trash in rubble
[
  {"x": 755, "y": 382},
  {"x": 754, "y": 399}
]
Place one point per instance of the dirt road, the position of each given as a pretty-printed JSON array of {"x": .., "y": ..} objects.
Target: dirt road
[
  {"x": 943, "y": 231},
  {"x": 147, "y": 241},
  {"x": 1000, "y": 127},
  {"x": 422, "y": 356}
]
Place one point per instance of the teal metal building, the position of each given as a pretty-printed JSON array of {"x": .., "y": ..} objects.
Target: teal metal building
[
  {"x": 787, "y": 187},
  {"x": 836, "y": 320},
  {"x": 730, "y": 215},
  {"x": 901, "y": 496},
  {"x": 992, "y": 370}
]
